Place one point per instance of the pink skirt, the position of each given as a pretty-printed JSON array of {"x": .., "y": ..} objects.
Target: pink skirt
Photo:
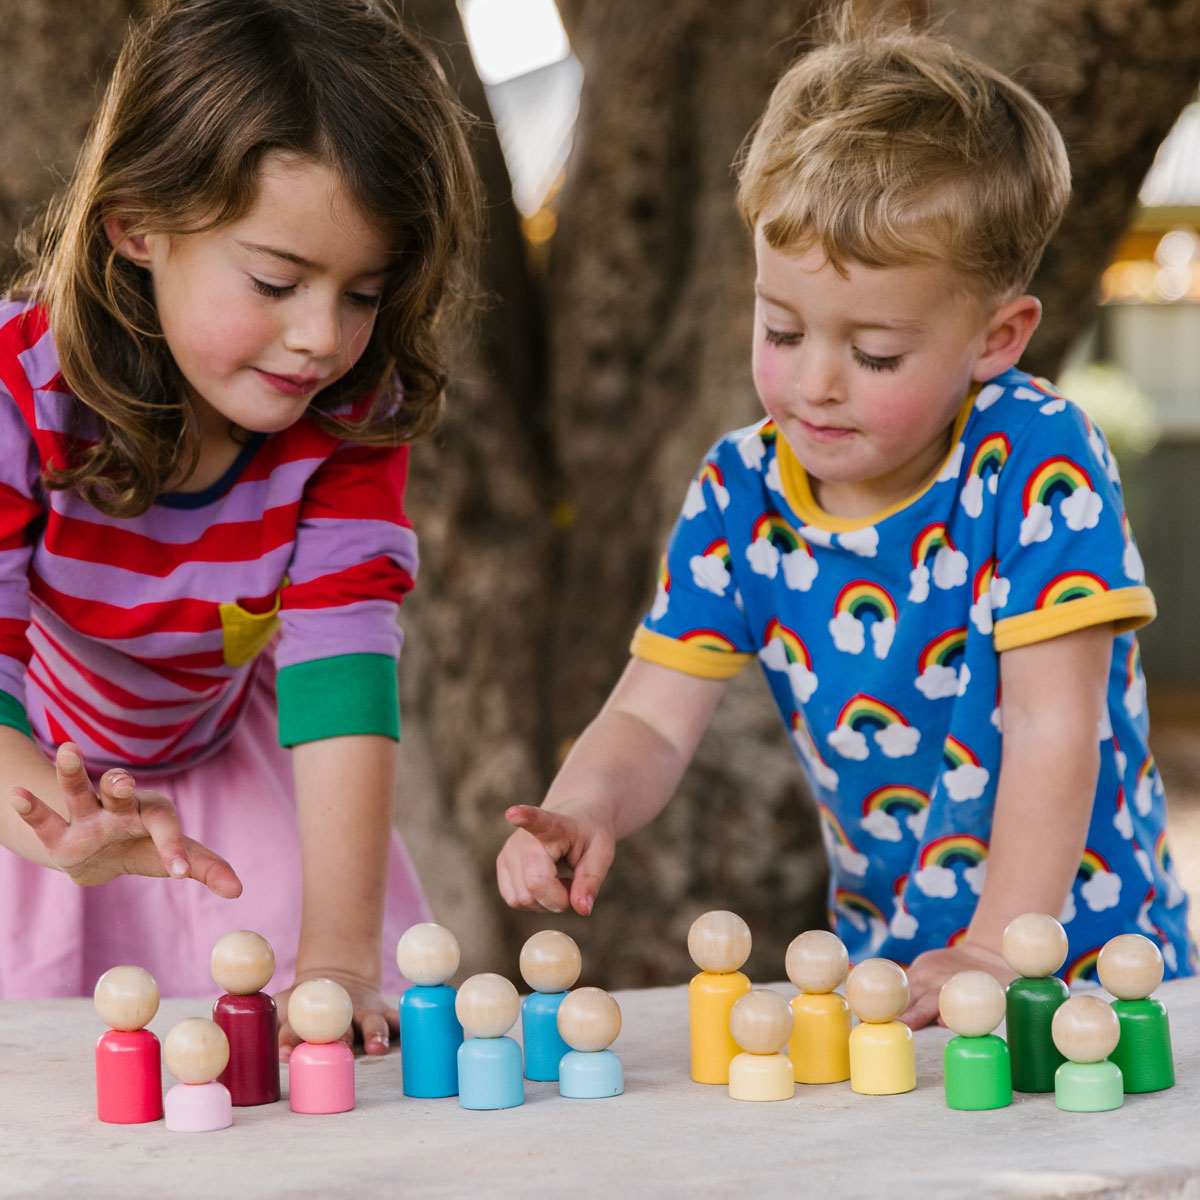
[{"x": 57, "y": 939}]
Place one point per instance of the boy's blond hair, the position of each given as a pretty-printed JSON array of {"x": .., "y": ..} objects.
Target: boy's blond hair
[{"x": 891, "y": 147}]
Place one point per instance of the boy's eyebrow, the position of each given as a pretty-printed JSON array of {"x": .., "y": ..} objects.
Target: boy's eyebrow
[
  {"x": 299, "y": 260},
  {"x": 900, "y": 324}
]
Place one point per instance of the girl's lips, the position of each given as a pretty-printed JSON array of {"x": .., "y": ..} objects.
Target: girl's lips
[{"x": 291, "y": 385}]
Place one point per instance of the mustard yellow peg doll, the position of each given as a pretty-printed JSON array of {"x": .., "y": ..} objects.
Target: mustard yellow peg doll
[
  {"x": 1130, "y": 966},
  {"x": 719, "y": 943},
  {"x": 1086, "y": 1030},
  {"x": 882, "y": 1060},
  {"x": 819, "y": 1048},
  {"x": 761, "y": 1022}
]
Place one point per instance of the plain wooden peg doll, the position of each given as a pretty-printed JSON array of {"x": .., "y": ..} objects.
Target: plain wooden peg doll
[
  {"x": 1130, "y": 966},
  {"x": 882, "y": 1060},
  {"x": 430, "y": 1032},
  {"x": 128, "y": 1056},
  {"x": 588, "y": 1021},
  {"x": 490, "y": 1071},
  {"x": 321, "y": 1068},
  {"x": 242, "y": 963},
  {"x": 1086, "y": 1030},
  {"x": 978, "y": 1071},
  {"x": 196, "y": 1052},
  {"x": 817, "y": 963},
  {"x": 719, "y": 943},
  {"x": 761, "y": 1022},
  {"x": 1035, "y": 946},
  {"x": 550, "y": 964}
]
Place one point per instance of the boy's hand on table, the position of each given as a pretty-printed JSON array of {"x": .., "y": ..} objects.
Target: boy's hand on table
[
  {"x": 374, "y": 1022},
  {"x": 930, "y": 970},
  {"x": 527, "y": 868},
  {"x": 117, "y": 829}
]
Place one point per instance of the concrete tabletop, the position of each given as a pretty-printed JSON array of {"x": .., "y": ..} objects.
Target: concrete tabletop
[{"x": 665, "y": 1136}]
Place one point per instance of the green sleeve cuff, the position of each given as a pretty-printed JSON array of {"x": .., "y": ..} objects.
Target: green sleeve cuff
[
  {"x": 337, "y": 697},
  {"x": 12, "y": 713}
]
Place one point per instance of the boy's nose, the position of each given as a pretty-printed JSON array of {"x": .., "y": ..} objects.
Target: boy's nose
[{"x": 817, "y": 378}]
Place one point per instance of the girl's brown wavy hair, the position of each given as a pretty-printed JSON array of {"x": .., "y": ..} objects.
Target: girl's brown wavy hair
[{"x": 201, "y": 92}]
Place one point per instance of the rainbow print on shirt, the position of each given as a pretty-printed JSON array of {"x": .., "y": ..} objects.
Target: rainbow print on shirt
[
  {"x": 964, "y": 778},
  {"x": 775, "y": 546},
  {"x": 1083, "y": 968},
  {"x": 988, "y": 592},
  {"x": 784, "y": 650},
  {"x": 944, "y": 857},
  {"x": 936, "y": 559},
  {"x": 941, "y": 671},
  {"x": 983, "y": 472},
  {"x": 1062, "y": 479},
  {"x": 842, "y": 852},
  {"x": 863, "y": 915},
  {"x": 863, "y": 714},
  {"x": 711, "y": 570},
  {"x": 889, "y": 807},
  {"x": 662, "y": 591},
  {"x": 822, "y": 772},
  {"x": 1070, "y": 585},
  {"x": 1099, "y": 887},
  {"x": 859, "y": 606}
]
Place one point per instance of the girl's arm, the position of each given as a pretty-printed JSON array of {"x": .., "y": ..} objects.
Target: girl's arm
[
  {"x": 1053, "y": 697},
  {"x": 617, "y": 778},
  {"x": 344, "y": 796}
]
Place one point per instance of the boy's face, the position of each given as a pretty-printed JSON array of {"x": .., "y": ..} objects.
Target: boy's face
[{"x": 864, "y": 373}]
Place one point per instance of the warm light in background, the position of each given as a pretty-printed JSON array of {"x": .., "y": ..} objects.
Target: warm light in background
[{"x": 512, "y": 37}]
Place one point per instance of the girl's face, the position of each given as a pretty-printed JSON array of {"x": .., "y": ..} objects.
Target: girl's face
[{"x": 263, "y": 312}]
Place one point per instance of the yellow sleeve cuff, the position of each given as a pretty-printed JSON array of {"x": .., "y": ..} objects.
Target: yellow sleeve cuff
[
  {"x": 692, "y": 657},
  {"x": 1126, "y": 608}
]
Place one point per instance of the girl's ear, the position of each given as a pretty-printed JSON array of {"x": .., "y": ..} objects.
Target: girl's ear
[
  {"x": 130, "y": 246},
  {"x": 1006, "y": 336}
]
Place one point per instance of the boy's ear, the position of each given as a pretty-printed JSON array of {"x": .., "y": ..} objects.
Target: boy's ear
[
  {"x": 1006, "y": 336},
  {"x": 130, "y": 246}
]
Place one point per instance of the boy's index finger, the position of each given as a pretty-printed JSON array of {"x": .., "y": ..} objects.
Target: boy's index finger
[{"x": 547, "y": 827}]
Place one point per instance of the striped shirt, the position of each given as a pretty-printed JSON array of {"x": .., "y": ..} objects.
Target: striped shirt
[{"x": 137, "y": 637}]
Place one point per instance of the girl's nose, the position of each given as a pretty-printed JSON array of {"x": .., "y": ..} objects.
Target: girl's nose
[{"x": 314, "y": 328}]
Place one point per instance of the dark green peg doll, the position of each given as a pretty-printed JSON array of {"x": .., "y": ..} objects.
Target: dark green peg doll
[
  {"x": 1035, "y": 946},
  {"x": 1131, "y": 967}
]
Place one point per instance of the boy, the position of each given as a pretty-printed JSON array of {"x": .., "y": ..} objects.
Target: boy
[{"x": 925, "y": 548}]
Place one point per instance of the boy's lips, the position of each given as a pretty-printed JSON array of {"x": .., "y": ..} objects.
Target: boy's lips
[
  {"x": 291, "y": 385},
  {"x": 824, "y": 433}
]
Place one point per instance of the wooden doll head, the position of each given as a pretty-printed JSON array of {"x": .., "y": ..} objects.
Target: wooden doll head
[
  {"x": 1034, "y": 945},
  {"x": 761, "y": 1021},
  {"x": 242, "y": 963},
  {"x": 971, "y": 1003},
  {"x": 126, "y": 998},
  {"x": 320, "y": 1011},
  {"x": 196, "y": 1050},
  {"x": 1085, "y": 1029},
  {"x": 428, "y": 954},
  {"x": 719, "y": 942},
  {"x": 817, "y": 962},
  {"x": 550, "y": 961},
  {"x": 877, "y": 990},
  {"x": 1130, "y": 966},
  {"x": 487, "y": 1006},
  {"x": 589, "y": 1019}
]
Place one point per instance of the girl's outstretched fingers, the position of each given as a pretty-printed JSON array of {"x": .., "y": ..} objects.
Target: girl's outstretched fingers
[
  {"x": 117, "y": 791},
  {"x": 40, "y": 817},
  {"x": 213, "y": 871},
  {"x": 73, "y": 781}
]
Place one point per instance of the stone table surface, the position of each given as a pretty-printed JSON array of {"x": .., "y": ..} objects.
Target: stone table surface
[{"x": 665, "y": 1136}]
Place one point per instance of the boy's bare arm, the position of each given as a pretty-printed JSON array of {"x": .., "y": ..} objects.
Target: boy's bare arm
[
  {"x": 617, "y": 778},
  {"x": 1053, "y": 697}
]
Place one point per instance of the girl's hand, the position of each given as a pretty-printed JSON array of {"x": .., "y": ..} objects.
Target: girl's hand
[
  {"x": 119, "y": 830},
  {"x": 930, "y": 970},
  {"x": 374, "y": 1022},
  {"x": 527, "y": 868}
]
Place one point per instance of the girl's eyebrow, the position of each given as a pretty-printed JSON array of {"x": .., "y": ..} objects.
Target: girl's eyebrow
[{"x": 299, "y": 260}]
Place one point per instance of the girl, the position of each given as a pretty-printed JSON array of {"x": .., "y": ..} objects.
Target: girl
[{"x": 209, "y": 375}]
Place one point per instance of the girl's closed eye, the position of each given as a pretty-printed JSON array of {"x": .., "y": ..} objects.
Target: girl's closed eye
[
  {"x": 778, "y": 337},
  {"x": 873, "y": 362},
  {"x": 274, "y": 290},
  {"x": 365, "y": 299}
]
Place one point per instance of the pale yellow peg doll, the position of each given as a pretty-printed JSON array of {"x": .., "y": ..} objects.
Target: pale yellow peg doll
[
  {"x": 882, "y": 1060},
  {"x": 490, "y": 1069},
  {"x": 321, "y": 1068},
  {"x": 761, "y": 1022},
  {"x": 819, "y": 1048},
  {"x": 1086, "y": 1030},
  {"x": 1130, "y": 966},
  {"x": 589, "y": 1020},
  {"x": 719, "y": 943},
  {"x": 196, "y": 1051}
]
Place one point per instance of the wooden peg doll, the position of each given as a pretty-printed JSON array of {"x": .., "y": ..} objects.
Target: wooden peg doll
[
  {"x": 197, "y": 1051},
  {"x": 1035, "y": 946},
  {"x": 490, "y": 1071},
  {"x": 819, "y": 1048},
  {"x": 430, "y": 1033},
  {"x": 761, "y": 1022},
  {"x": 882, "y": 1060},
  {"x": 550, "y": 964},
  {"x": 719, "y": 943},
  {"x": 128, "y": 1056},
  {"x": 1086, "y": 1030},
  {"x": 1130, "y": 966},
  {"x": 242, "y": 963},
  {"x": 978, "y": 1070},
  {"x": 321, "y": 1068},
  {"x": 589, "y": 1020}
]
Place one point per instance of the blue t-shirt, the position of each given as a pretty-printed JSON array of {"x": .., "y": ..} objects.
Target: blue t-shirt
[{"x": 880, "y": 639}]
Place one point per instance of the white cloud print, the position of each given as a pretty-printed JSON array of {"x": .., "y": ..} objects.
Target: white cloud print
[
  {"x": 752, "y": 451},
  {"x": 1102, "y": 891},
  {"x": 882, "y": 633},
  {"x": 775, "y": 658},
  {"x": 953, "y": 465},
  {"x": 1133, "y": 565},
  {"x": 1037, "y": 524},
  {"x": 898, "y": 741},
  {"x": 949, "y": 568},
  {"x": 848, "y": 742},
  {"x": 904, "y": 924},
  {"x": 694, "y": 502},
  {"x": 918, "y": 579},
  {"x": 710, "y": 573},
  {"x": 662, "y": 601},
  {"x": 852, "y": 862},
  {"x": 863, "y": 542},
  {"x": 882, "y": 825},
  {"x": 974, "y": 877},
  {"x": 1081, "y": 509},
  {"x": 763, "y": 557},
  {"x": 848, "y": 633},
  {"x": 966, "y": 782},
  {"x": 937, "y": 681},
  {"x": 936, "y": 881},
  {"x": 799, "y": 570}
]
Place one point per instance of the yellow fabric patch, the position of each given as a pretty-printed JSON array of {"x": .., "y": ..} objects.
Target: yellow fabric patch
[{"x": 247, "y": 633}]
